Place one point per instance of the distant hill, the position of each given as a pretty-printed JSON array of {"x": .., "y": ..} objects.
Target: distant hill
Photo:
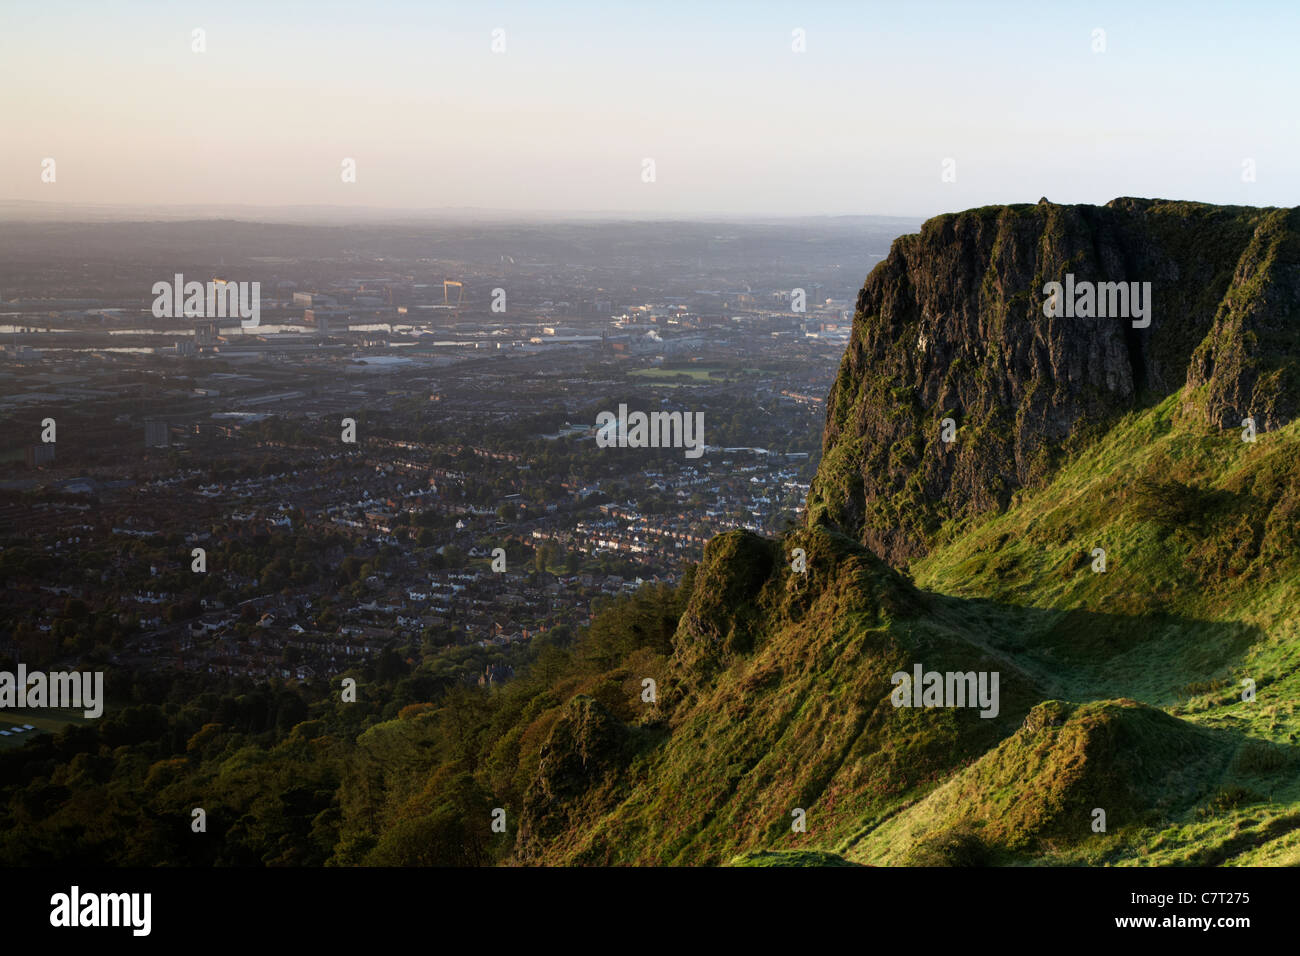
[{"x": 30, "y": 210}]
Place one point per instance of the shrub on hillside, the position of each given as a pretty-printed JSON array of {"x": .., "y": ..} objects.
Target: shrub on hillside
[
  {"x": 958, "y": 846},
  {"x": 1172, "y": 503}
]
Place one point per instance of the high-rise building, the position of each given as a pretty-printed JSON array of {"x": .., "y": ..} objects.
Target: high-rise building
[{"x": 155, "y": 434}]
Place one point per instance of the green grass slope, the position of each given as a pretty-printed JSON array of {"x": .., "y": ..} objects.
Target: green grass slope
[
  {"x": 778, "y": 700},
  {"x": 1200, "y": 531},
  {"x": 1122, "y": 689},
  {"x": 1198, "y": 595}
]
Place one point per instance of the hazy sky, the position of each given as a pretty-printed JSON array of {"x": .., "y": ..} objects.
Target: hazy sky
[{"x": 735, "y": 121}]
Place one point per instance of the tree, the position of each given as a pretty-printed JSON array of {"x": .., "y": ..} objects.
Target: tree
[
  {"x": 351, "y": 567},
  {"x": 75, "y": 609},
  {"x": 546, "y": 554}
]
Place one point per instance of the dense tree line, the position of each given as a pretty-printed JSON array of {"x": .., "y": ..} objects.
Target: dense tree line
[{"x": 290, "y": 774}]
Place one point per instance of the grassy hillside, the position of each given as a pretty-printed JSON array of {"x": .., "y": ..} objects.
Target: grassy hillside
[
  {"x": 1200, "y": 531},
  {"x": 782, "y": 703},
  {"x": 1202, "y": 572},
  {"x": 1121, "y": 689}
]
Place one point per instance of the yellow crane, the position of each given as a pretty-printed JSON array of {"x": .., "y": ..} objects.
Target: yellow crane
[{"x": 460, "y": 294}]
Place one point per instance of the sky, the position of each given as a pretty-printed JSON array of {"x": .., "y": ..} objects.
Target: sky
[{"x": 1187, "y": 100}]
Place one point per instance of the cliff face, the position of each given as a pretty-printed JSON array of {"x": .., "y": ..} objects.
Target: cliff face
[{"x": 951, "y": 326}]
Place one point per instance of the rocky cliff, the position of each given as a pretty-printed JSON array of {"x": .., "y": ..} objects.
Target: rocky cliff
[{"x": 952, "y": 326}]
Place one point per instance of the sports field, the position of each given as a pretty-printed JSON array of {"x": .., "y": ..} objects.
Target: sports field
[{"x": 46, "y": 720}]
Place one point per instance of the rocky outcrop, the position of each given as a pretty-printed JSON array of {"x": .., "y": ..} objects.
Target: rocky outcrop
[
  {"x": 1247, "y": 364},
  {"x": 586, "y": 748},
  {"x": 951, "y": 325}
]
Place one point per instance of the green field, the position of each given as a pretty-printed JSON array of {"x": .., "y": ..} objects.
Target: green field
[
  {"x": 697, "y": 374},
  {"x": 46, "y": 720}
]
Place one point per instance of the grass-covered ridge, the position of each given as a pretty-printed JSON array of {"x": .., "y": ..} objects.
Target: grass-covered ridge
[{"x": 800, "y": 721}]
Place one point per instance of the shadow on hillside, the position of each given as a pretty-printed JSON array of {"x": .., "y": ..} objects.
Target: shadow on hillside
[{"x": 1156, "y": 658}]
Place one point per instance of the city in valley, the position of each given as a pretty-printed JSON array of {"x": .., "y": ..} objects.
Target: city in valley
[{"x": 399, "y": 462}]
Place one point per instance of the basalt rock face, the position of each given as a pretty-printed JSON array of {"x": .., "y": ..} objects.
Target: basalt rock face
[
  {"x": 1248, "y": 363},
  {"x": 951, "y": 325}
]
